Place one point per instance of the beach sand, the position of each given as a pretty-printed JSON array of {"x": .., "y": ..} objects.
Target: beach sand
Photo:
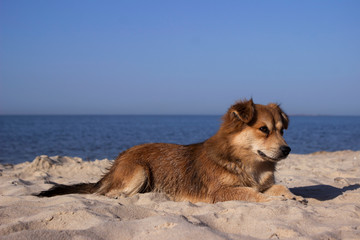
[{"x": 330, "y": 182}]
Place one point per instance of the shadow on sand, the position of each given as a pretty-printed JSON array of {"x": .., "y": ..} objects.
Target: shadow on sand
[{"x": 322, "y": 192}]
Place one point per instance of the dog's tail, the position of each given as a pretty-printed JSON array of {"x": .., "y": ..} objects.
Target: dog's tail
[{"x": 60, "y": 189}]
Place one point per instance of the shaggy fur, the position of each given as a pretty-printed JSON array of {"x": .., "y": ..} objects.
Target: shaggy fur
[{"x": 237, "y": 163}]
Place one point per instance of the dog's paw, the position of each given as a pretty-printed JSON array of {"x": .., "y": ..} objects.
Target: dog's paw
[
  {"x": 299, "y": 199},
  {"x": 283, "y": 198},
  {"x": 302, "y": 200},
  {"x": 284, "y": 193}
]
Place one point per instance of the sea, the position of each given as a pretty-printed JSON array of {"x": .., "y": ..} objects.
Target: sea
[{"x": 91, "y": 137}]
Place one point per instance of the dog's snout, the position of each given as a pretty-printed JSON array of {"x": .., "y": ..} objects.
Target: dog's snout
[{"x": 285, "y": 150}]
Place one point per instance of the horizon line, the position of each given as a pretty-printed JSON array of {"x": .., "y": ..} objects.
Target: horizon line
[{"x": 162, "y": 114}]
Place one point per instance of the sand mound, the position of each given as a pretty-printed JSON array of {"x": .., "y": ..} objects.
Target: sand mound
[{"x": 330, "y": 181}]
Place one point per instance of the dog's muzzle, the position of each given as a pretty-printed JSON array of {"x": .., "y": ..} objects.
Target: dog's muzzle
[{"x": 283, "y": 153}]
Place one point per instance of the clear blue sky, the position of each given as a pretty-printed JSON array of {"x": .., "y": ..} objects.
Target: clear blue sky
[{"x": 178, "y": 57}]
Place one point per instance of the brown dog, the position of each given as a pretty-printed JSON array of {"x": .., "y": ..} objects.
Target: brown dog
[{"x": 237, "y": 163}]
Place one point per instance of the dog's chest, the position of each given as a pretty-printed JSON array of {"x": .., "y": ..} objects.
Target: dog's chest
[
  {"x": 257, "y": 177},
  {"x": 265, "y": 180},
  {"x": 259, "y": 180}
]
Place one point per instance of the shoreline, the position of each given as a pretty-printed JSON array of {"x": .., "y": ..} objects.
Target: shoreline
[{"x": 329, "y": 180}]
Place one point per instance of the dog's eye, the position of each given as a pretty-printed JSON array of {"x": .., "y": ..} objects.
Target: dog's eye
[
  {"x": 282, "y": 131},
  {"x": 264, "y": 129}
]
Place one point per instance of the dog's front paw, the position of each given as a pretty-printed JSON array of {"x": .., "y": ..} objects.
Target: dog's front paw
[
  {"x": 291, "y": 198},
  {"x": 285, "y": 194},
  {"x": 299, "y": 199}
]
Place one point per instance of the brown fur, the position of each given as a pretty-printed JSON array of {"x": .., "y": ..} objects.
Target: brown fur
[{"x": 237, "y": 163}]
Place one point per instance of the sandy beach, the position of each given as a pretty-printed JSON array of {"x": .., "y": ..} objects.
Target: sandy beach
[{"x": 329, "y": 181}]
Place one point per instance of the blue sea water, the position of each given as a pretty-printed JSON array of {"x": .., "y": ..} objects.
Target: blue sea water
[{"x": 22, "y": 138}]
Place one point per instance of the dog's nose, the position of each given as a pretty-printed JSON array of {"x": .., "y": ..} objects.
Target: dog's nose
[{"x": 285, "y": 150}]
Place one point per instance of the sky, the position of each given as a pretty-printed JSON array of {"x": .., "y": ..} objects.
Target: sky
[{"x": 178, "y": 57}]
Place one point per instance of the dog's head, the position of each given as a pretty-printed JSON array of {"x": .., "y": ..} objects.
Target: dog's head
[{"x": 257, "y": 130}]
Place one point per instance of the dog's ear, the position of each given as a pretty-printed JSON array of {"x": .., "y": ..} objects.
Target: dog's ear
[
  {"x": 284, "y": 117},
  {"x": 243, "y": 111}
]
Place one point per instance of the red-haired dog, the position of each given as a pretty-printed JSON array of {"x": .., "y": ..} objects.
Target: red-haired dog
[{"x": 237, "y": 163}]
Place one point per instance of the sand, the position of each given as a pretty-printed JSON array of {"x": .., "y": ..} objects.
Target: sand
[{"x": 330, "y": 182}]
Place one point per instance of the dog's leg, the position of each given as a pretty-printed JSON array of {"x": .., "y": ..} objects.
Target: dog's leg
[
  {"x": 126, "y": 181},
  {"x": 239, "y": 193},
  {"x": 280, "y": 190}
]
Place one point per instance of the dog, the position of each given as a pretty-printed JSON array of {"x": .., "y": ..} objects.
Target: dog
[{"x": 237, "y": 163}]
